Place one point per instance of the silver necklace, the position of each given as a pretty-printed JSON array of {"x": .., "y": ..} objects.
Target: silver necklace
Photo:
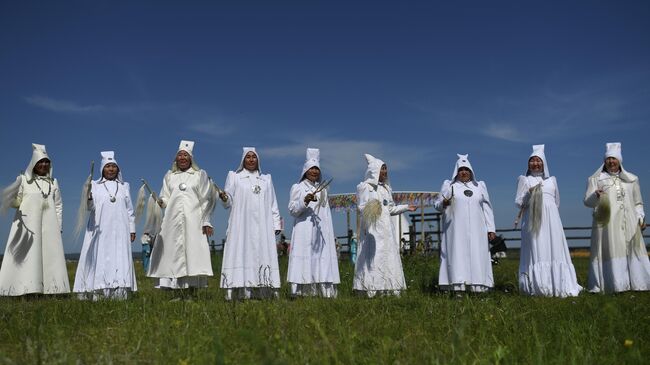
[
  {"x": 49, "y": 189},
  {"x": 112, "y": 197}
]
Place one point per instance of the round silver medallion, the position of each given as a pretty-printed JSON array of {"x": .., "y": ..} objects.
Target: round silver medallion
[
  {"x": 182, "y": 186},
  {"x": 256, "y": 189},
  {"x": 385, "y": 202},
  {"x": 468, "y": 193},
  {"x": 112, "y": 199}
]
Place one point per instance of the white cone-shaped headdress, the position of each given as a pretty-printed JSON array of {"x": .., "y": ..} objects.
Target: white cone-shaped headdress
[
  {"x": 372, "y": 172},
  {"x": 312, "y": 160},
  {"x": 613, "y": 149},
  {"x": 462, "y": 161},
  {"x": 538, "y": 150},
  {"x": 38, "y": 153},
  {"x": 245, "y": 151},
  {"x": 109, "y": 157},
  {"x": 187, "y": 146}
]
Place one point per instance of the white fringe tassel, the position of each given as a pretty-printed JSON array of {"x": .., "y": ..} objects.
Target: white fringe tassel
[
  {"x": 139, "y": 204},
  {"x": 9, "y": 195},
  {"x": 371, "y": 212},
  {"x": 82, "y": 212},
  {"x": 536, "y": 204},
  {"x": 154, "y": 217}
]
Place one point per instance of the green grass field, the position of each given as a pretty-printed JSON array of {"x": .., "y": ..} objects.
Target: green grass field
[{"x": 421, "y": 327}]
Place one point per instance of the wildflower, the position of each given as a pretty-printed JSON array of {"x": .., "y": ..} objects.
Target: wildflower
[{"x": 628, "y": 343}]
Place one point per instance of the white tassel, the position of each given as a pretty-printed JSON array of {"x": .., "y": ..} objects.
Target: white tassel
[
  {"x": 139, "y": 204},
  {"x": 536, "y": 204},
  {"x": 212, "y": 197},
  {"x": 371, "y": 212},
  {"x": 82, "y": 212},
  {"x": 154, "y": 218},
  {"x": 603, "y": 210},
  {"x": 9, "y": 195}
]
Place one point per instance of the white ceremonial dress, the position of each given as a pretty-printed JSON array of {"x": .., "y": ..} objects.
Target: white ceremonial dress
[
  {"x": 379, "y": 265},
  {"x": 619, "y": 258},
  {"x": 464, "y": 252},
  {"x": 34, "y": 261},
  {"x": 250, "y": 258},
  {"x": 545, "y": 266},
  {"x": 313, "y": 263},
  {"x": 180, "y": 257},
  {"x": 106, "y": 261}
]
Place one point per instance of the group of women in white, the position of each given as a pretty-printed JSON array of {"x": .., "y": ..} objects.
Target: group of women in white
[{"x": 178, "y": 223}]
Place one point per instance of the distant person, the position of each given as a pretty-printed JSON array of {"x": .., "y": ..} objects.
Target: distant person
[
  {"x": 250, "y": 258},
  {"x": 467, "y": 226},
  {"x": 34, "y": 262},
  {"x": 180, "y": 258},
  {"x": 545, "y": 266},
  {"x": 313, "y": 262},
  {"x": 105, "y": 269},
  {"x": 378, "y": 269},
  {"x": 619, "y": 258}
]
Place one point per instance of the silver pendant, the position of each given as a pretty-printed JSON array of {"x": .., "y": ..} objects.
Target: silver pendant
[
  {"x": 468, "y": 193},
  {"x": 385, "y": 202},
  {"x": 182, "y": 186},
  {"x": 256, "y": 189},
  {"x": 112, "y": 199}
]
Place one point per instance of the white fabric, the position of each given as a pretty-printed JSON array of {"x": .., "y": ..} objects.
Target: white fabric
[
  {"x": 614, "y": 150},
  {"x": 109, "y": 157},
  {"x": 106, "y": 261},
  {"x": 313, "y": 258},
  {"x": 243, "y": 156},
  {"x": 545, "y": 266},
  {"x": 312, "y": 160},
  {"x": 538, "y": 150},
  {"x": 181, "y": 249},
  {"x": 34, "y": 261},
  {"x": 464, "y": 251},
  {"x": 373, "y": 170},
  {"x": 379, "y": 266},
  {"x": 250, "y": 258},
  {"x": 462, "y": 161},
  {"x": 187, "y": 146},
  {"x": 38, "y": 153},
  {"x": 619, "y": 258}
]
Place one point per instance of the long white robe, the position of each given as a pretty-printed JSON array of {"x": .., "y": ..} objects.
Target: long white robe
[
  {"x": 313, "y": 263},
  {"x": 106, "y": 262},
  {"x": 545, "y": 266},
  {"x": 250, "y": 258},
  {"x": 619, "y": 258},
  {"x": 181, "y": 254},
  {"x": 379, "y": 265},
  {"x": 34, "y": 261},
  {"x": 464, "y": 252}
]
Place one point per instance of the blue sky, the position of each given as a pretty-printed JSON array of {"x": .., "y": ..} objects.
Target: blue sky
[{"x": 412, "y": 82}]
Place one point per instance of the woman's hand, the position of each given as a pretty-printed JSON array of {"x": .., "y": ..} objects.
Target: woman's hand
[
  {"x": 412, "y": 208},
  {"x": 223, "y": 196},
  {"x": 491, "y": 236},
  {"x": 132, "y": 237},
  {"x": 310, "y": 198}
]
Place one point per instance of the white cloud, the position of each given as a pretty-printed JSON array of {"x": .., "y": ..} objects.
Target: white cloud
[
  {"x": 504, "y": 131},
  {"x": 62, "y": 105},
  {"x": 212, "y": 129},
  {"x": 344, "y": 159}
]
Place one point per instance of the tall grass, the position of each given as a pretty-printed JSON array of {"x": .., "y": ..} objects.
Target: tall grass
[{"x": 423, "y": 326}]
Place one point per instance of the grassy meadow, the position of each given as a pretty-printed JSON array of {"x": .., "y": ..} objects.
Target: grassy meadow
[{"x": 423, "y": 326}]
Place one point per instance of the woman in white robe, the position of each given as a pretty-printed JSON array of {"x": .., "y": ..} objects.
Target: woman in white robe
[
  {"x": 34, "y": 261},
  {"x": 378, "y": 268},
  {"x": 250, "y": 259},
  {"x": 313, "y": 263},
  {"x": 105, "y": 267},
  {"x": 619, "y": 258},
  {"x": 467, "y": 225},
  {"x": 180, "y": 257},
  {"x": 545, "y": 266}
]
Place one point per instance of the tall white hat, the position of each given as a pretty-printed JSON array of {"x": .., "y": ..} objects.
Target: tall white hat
[
  {"x": 613, "y": 149},
  {"x": 462, "y": 161},
  {"x": 538, "y": 151},
  {"x": 312, "y": 159},
  {"x": 245, "y": 151},
  {"x": 38, "y": 153}
]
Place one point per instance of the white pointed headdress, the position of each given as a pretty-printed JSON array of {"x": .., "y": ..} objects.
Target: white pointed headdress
[
  {"x": 187, "y": 146},
  {"x": 462, "y": 161},
  {"x": 538, "y": 150},
  {"x": 372, "y": 172},
  {"x": 109, "y": 157},
  {"x": 245, "y": 151},
  {"x": 613, "y": 149},
  {"x": 38, "y": 153},
  {"x": 311, "y": 160}
]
